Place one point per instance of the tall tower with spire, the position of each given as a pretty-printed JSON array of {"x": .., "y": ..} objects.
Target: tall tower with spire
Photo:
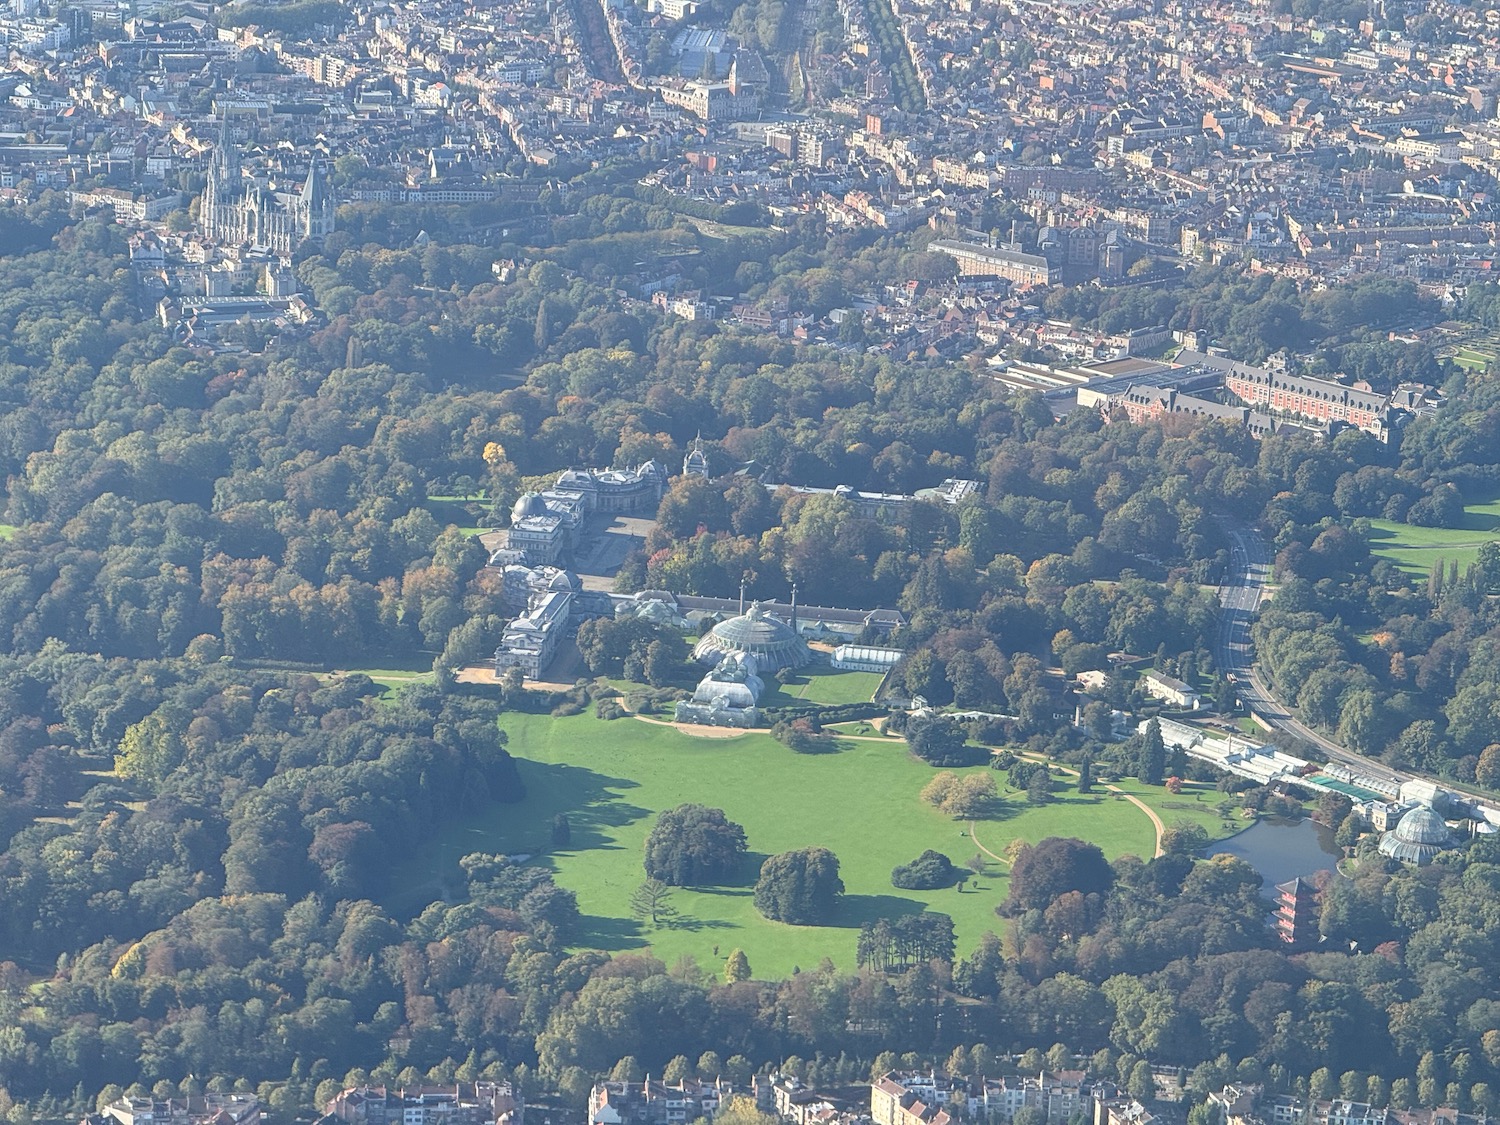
[
  {"x": 222, "y": 186},
  {"x": 316, "y": 204}
]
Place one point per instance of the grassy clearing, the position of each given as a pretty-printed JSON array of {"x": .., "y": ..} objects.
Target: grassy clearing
[
  {"x": 1415, "y": 549},
  {"x": 711, "y": 229},
  {"x": 612, "y": 778},
  {"x": 822, "y": 684},
  {"x": 1197, "y": 804},
  {"x": 459, "y": 511},
  {"x": 860, "y": 727},
  {"x": 397, "y": 672}
]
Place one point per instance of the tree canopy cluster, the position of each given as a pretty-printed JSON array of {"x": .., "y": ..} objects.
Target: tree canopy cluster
[{"x": 693, "y": 844}]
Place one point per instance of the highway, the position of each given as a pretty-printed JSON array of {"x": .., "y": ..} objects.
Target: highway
[{"x": 1240, "y": 598}]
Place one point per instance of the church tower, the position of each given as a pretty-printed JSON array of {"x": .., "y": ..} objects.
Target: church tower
[
  {"x": 315, "y": 204},
  {"x": 223, "y": 189}
]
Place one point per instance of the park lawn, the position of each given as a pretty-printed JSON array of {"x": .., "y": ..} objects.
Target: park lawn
[
  {"x": 861, "y": 727},
  {"x": 8, "y": 530},
  {"x": 1196, "y": 803},
  {"x": 1415, "y": 549},
  {"x": 400, "y": 672},
  {"x": 458, "y": 511},
  {"x": 612, "y": 778},
  {"x": 820, "y": 683}
]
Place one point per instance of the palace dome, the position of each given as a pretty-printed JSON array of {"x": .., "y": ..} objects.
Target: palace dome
[
  {"x": 1419, "y": 836},
  {"x": 771, "y": 641},
  {"x": 528, "y": 504}
]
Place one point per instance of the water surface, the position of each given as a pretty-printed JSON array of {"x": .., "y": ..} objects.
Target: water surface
[{"x": 1282, "y": 849}]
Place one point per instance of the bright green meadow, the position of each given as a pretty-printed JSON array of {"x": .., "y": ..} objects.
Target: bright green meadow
[
  {"x": 611, "y": 778},
  {"x": 1415, "y": 549}
]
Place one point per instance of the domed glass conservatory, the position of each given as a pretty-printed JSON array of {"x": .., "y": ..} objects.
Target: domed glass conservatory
[
  {"x": 1419, "y": 836},
  {"x": 773, "y": 643}
]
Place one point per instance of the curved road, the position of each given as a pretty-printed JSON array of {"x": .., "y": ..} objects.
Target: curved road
[{"x": 1240, "y": 599}]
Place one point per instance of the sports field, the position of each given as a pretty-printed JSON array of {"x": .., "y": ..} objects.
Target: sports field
[{"x": 611, "y": 778}]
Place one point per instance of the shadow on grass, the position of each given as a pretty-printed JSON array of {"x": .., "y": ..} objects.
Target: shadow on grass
[
  {"x": 691, "y": 924},
  {"x": 610, "y": 934},
  {"x": 1002, "y": 809},
  {"x": 855, "y": 910},
  {"x": 742, "y": 882},
  {"x": 726, "y": 892},
  {"x": 1478, "y": 521},
  {"x": 593, "y": 803},
  {"x": 823, "y": 744}
]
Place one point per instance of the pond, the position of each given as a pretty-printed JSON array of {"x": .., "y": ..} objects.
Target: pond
[{"x": 1282, "y": 849}]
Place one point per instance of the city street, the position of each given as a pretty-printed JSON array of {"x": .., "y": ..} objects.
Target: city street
[{"x": 1240, "y": 597}]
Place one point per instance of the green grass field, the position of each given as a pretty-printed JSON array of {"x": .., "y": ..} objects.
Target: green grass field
[
  {"x": 1415, "y": 549},
  {"x": 822, "y": 684},
  {"x": 861, "y": 727},
  {"x": 611, "y": 778},
  {"x": 1473, "y": 358}
]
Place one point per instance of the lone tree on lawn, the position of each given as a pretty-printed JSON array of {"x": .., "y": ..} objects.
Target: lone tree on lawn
[
  {"x": 801, "y": 887},
  {"x": 694, "y": 844},
  {"x": 1153, "y": 764},
  {"x": 737, "y": 967},
  {"x": 939, "y": 741},
  {"x": 653, "y": 899}
]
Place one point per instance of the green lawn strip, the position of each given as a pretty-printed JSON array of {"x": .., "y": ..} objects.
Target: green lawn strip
[
  {"x": 822, "y": 684},
  {"x": 860, "y": 727},
  {"x": 8, "y": 530},
  {"x": 1415, "y": 549},
  {"x": 611, "y": 778},
  {"x": 458, "y": 512},
  {"x": 418, "y": 669},
  {"x": 393, "y": 665}
]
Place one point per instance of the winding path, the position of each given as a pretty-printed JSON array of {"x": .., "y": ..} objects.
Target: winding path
[{"x": 1156, "y": 821}]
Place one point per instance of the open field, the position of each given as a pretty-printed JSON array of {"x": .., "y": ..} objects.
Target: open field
[
  {"x": 819, "y": 683},
  {"x": 612, "y": 778},
  {"x": 1415, "y": 549},
  {"x": 1197, "y": 803},
  {"x": 1474, "y": 352},
  {"x": 1473, "y": 358}
]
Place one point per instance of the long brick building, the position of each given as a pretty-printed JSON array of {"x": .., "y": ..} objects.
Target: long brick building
[{"x": 1320, "y": 401}]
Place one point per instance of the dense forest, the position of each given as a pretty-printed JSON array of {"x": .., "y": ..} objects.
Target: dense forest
[{"x": 199, "y": 822}]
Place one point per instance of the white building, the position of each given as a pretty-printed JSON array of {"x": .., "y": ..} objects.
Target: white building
[
  {"x": 1173, "y": 691},
  {"x": 866, "y": 658}
]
